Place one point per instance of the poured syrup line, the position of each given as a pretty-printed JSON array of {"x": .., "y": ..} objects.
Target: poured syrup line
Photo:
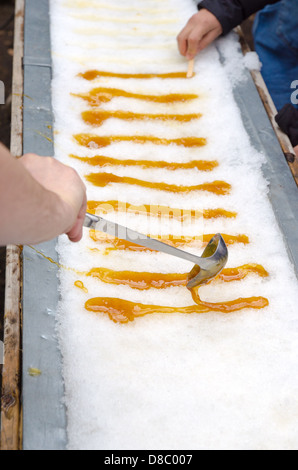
[
  {"x": 171, "y": 240},
  {"x": 59, "y": 265},
  {"x": 98, "y": 117},
  {"x": 104, "y": 95},
  {"x": 105, "y": 179},
  {"x": 93, "y": 74},
  {"x": 158, "y": 211},
  {"x": 147, "y": 280},
  {"x": 122, "y": 311},
  {"x": 130, "y": 34},
  {"x": 116, "y": 46},
  {"x": 116, "y": 59},
  {"x": 49, "y": 139},
  {"x": 124, "y": 20},
  {"x": 97, "y": 142},
  {"x": 119, "y": 8},
  {"x": 101, "y": 161},
  {"x": 80, "y": 285}
]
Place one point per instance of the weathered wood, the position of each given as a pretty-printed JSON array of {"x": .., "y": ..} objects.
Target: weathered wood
[
  {"x": 271, "y": 110},
  {"x": 10, "y": 400},
  {"x": 10, "y": 396},
  {"x": 18, "y": 81}
]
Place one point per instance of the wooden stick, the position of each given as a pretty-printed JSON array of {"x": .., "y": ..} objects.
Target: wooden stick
[{"x": 191, "y": 65}]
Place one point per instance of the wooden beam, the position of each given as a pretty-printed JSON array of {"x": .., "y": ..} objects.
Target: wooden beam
[{"x": 11, "y": 376}]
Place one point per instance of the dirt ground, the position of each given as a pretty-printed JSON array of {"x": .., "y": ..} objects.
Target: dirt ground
[{"x": 6, "y": 53}]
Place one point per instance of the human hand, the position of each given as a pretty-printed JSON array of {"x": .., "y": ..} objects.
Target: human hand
[
  {"x": 296, "y": 150},
  {"x": 65, "y": 183},
  {"x": 201, "y": 30}
]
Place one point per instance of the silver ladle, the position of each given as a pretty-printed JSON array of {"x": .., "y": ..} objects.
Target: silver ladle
[{"x": 209, "y": 265}]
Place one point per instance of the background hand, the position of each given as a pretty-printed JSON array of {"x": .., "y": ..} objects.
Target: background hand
[{"x": 201, "y": 30}]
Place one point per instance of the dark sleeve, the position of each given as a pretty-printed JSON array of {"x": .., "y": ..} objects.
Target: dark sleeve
[
  {"x": 287, "y": 119},
  {"x": 231, "y": 13}
]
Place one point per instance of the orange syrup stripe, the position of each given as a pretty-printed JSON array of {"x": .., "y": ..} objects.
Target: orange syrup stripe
[
  {"x": 122, "y": 311},
  {"x": 182, "y": 215},
  {"x": 98, "y": 117},
  {"x": 98, "y": 96},
  {"x": 97, "y": 142},
  {"x": 101, "y": 161},
  {"x": 178, "y": 242},
  {"x": 93, "y": 74},
  {"x": 146, "y": 280},
  {"x": 105, "y": 179}
]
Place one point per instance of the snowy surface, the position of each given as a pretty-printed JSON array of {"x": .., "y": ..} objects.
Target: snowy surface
[
  {"x": 252, "y": 61},
  {"x": 206, "y": 381}
]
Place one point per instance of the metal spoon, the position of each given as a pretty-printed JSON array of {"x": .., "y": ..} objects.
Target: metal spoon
[{"x": 208, "y": 266}]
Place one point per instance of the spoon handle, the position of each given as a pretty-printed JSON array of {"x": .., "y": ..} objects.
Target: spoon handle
[{"x": 124, "y": 233}]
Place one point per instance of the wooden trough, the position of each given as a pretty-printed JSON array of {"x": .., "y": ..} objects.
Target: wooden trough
[{"x": 32, "y": 415}]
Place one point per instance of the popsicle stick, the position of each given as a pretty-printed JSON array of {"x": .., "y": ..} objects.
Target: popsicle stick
[{"x": 190, "y": 72}]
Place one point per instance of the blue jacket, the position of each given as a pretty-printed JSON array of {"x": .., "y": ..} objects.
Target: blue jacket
[{"x": 231, "y": 13}]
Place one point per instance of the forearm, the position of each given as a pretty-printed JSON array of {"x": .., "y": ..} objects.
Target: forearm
[
  {"x": 231, "y": 13},
  {"x": 29, "y": 213}
]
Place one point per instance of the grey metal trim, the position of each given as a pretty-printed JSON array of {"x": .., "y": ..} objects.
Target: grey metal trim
[
  {"x": 283, "y": 192},
  {"x": 36, "y": 61},
  {"x": 44, "y": 415}
]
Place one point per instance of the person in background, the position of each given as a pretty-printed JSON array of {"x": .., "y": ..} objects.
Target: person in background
[
  {"x": 40, "y": 199},
  {"x": 276, "y": 42}
]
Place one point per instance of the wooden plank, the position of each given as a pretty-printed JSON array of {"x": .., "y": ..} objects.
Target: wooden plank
[
  {"x": 10, "y": 399},
  {"x": 18, "y": 85},
  {"x": 271, "y": 110},
  {"x": 10, "y": 395}
]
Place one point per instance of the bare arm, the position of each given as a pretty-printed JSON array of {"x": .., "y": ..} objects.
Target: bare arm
[{"x": 39, "y": 199}]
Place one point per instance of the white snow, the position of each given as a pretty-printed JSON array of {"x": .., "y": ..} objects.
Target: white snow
[{"x": 252, "y": 61}]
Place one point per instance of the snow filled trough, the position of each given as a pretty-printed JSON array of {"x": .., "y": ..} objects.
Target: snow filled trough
[{"x": 169, "y": 157}]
